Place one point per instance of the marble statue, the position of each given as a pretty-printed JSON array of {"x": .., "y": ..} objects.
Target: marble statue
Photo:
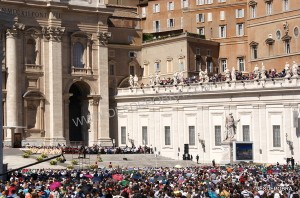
[
  {"x": 263, "y": 72},
  {"x": 151, "y": 80},
  {"x": 175, "y": 78},
  {"x": 180, "y": 76},
  {"x": 256, "y": 72},
  {"x": 227, "y": 75},
  {"x": 135, "y": 81},
  {"x": 233, "y": 74},
  {"x": 287, "y": 70},
  {"x": 230, "y": 126},
  {"x": 157, "y": 78},
  {"x": 206, "y": 78},
  {"x": 201, "y": 76},
  {"x": 131, "y": 81},
  {"x": 295, "y": 70}
]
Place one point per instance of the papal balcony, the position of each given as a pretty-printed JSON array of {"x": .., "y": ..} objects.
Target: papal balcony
[
  {"x": 81, "y": 71},
  {"x": 33, "y": 69}
]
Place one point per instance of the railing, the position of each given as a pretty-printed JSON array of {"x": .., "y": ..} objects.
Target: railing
[
  {"x": 82, "y": 71},
  {"x": 33, "y": 68}
]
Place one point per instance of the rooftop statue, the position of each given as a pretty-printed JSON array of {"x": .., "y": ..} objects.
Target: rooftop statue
[
  {"x": 256, "y": 72},
  {"x": 287, "y": 70},
  {"x": 295, "y": 70},
  {"x": 157, "y": 78},
  {"x": 263, "y": 72},
  {"x": 135, "y": 80},
  {"x": 233, "y": 74},
  {"x": 175, "y": 78},
  {"x": 227, "y": 75},
  {"x": 151, "y": 80},
  {"x": 130, "y": 81}
]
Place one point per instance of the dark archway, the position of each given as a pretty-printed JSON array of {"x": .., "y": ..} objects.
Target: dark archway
[{"x": 79, "y": 117}]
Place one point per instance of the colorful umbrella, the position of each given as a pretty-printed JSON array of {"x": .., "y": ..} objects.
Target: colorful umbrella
[
  {"x": 54, "y": 185},
  {"x": 117, "y": 177}
]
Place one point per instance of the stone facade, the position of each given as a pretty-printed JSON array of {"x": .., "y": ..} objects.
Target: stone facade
[
  {"x": 167, "y": 117},
  {"x": 55, "y": 56}
]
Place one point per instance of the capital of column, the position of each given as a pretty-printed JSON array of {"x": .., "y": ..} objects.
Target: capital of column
[
  {"x": 14, "y": 31},
  {"x": 103, "y": 37},
  {"x": 53, "y": 33},
  {"x": 94, "y": 100}
]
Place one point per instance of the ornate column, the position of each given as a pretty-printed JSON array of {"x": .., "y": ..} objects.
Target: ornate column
[
  {"x": 67, "y": 117},
  {"x": 103, "y": 118},
  {"x": 54, "y": 36},
  {"x": 14, "y": 97}
]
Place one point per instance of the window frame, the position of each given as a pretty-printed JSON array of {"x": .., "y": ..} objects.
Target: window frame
[
  {"x": 168, "y": 141},
  {"x": 276, "y": 141},
  {"x": 218, "y": 138}
]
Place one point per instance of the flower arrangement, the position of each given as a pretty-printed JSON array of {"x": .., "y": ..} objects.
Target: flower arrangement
[
  {"x": 74, "y": 162},
  {"x": 39, "y": 158},
  {"x": 44, "y": 155},
  {"x": 53, "y": 162},
  {"x": 26, "y": 155}
]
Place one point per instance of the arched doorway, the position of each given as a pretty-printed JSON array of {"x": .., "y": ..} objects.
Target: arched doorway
[{"x": 79, "y": 115}]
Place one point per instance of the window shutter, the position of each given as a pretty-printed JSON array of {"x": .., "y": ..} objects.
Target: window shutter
[
  {"x": 168, "y": 23},
  {"x": 242, "y": 13},
  {"x": 181, "y": 22},
  {"x": 153, "y": 8},
  {"x": 222, "y": 15},
  {"x": 173, "y": 22},
  {"x": 168, "y": 6},
  {"x": 154, "y": 26},
  {"x": 237, "y": 29},
  {"x": 181, "y": 3},
  {"x": 158, "y": 8},
  {"x": 236, "y": 13},
  {"x": 159, "y": 26},
  {"x": 172, "y": 6},
  {"x": 197, "y": 17}
]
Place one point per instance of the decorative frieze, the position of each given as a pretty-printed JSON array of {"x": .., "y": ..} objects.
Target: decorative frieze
[{"x": 53, "y": 33}]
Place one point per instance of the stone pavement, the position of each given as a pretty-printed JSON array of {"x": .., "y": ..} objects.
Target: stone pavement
[{"x": 14, "y": 158}]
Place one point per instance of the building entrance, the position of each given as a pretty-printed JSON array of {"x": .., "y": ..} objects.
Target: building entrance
[{"x": 79, "y": 116}]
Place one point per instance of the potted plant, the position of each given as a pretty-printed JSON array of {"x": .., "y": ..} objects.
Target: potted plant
[
  {"x": 74, "y": 162},
  {"x": 39, "y": 158},
  {"x": 26, "y": 155},
  {"x": 53, "y": 162},
  {"x": 70, "y": 167},
  {"x": 44, "y": 155}
]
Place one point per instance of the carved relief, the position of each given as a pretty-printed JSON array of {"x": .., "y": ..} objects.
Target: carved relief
[
  {"x": 15, "y": 29},
  {"x": 104, "y": 37},
  {"x": 53, "y": 33}
]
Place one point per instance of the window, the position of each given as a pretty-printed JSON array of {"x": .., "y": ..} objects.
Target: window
[
  {"x": 167, "y": 135},
  {"x": 198, "y": 51},
  {"x": 287, "y": 46},
  {"x": 223, "y": 63},
  {"x": 222, "y": 15},
  {"x": 210, "y": 1},
  {"x": 199, "y": 2},
  {"x": 78, "y": 55},
  {"x": 218, "y": 138},
  {"x": 276, "y": 136},
  {"x": 144, "y": 135},
  {"x": 269, "y": 8},
  {"x": 278, "y": 34},
  {"x": 157, "y": 66},
  {"x": 170, "y": 23},
  {"x": 156, "y": 26},
  {"x": 198, "y": 64},
  {"x": 208, "y": 53},
  {"x": 123, "y": 135},
  {"x": 200, "y": 31},
  {"x": 285, "y": 5},
  {"x": 254, "y": 51},
  {"x": 239, "y": 13},
  {"x": 199, "y": 17},
  {"x": 296, "y": 31},
  {"x": 246, "y": 133},
  {"x": 253, "y": 11},
  {"x": 221, "y": 1},
  {"x": 209, "y": 16},
  {"x": 222, "y": 31},
  {"x": 241, "y": 64},
  {"x": 184, "y": 3},
  {"x": 111, "y": 69},
  {"x": 209, "y": 65},
  {"x": 30, "y": 51},
  {"x": 239, "y": 29},
  {"x": 131, "y": 54},
  {"x": 156, "y": 8},
  {"x": 170, "y": 5},
  {"x": 192, "y": 141},
  {"x": 131, "y": 70},
  {"x": 144, "y": 12}
]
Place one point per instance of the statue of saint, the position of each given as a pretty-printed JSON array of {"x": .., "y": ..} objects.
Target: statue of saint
[
  {"x": 230, "y": 126},
  {"x": 263, "y": 72},
  {"x": 287, "y": 70},
  {"x": 295, "y": 70},
  {"x": 206, "y": 78},
  {"x": 181, "y": 79},
  {"x": 201, "y": 76},
  {"x": 157, "y": 78},
  {"x": 151, "y": 80},
  {"x": 135, "y": 80},
  {"x": 131, "y": 81},
  {"x": 175, "y": 78},
  {"x": 256, "y": 72},
  {"x": 227, "y": 75},
  {"x": 233, "y": 74}
]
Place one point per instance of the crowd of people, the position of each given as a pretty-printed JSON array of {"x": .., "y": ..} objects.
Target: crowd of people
[
  {"x": 95, "y": 149},
  {"x": 247, "y": 180}
]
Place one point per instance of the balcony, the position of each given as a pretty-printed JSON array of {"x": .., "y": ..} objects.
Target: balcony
[
  {"x": 81, "y": 71},
  {"x": 33, "y": 69}
]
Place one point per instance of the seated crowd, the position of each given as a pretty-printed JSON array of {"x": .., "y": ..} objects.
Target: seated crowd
[{"x": 238, "y": 181}]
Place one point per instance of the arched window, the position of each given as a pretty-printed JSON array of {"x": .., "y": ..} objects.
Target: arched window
[
  {"x": 78, "y": 50},
  {"x": 31, "y": 51}
]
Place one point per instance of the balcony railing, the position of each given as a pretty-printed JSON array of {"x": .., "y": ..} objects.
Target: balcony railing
[
  {"x": 33, "y": 68},
  {"x": 82, "y": 71}
]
